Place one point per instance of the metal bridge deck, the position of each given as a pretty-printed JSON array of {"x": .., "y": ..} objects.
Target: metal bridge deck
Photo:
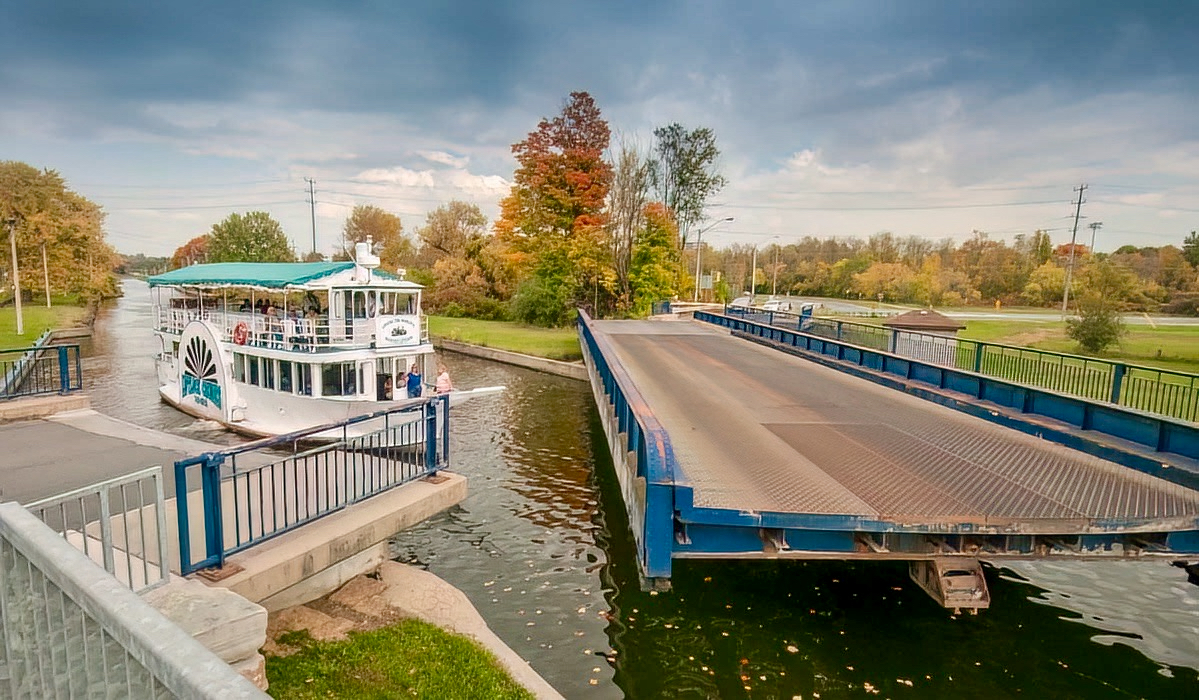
[{"x": 758, "y": 430}]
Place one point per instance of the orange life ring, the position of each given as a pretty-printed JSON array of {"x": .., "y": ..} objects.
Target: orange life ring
[{"x": 241, "y": 332}]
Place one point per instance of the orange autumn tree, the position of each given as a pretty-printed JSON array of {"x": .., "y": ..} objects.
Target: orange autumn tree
[{"x": 552, "y": 222}]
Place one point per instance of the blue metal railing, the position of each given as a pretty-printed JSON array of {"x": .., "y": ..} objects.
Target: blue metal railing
[
  {"x": 649, "y": 490},
  {"x": 263, "y": 489},
  {"x": 1164, "y": 392},
  {"x": 40, "y": 369},
  {"x": 1156, "y": 434}
]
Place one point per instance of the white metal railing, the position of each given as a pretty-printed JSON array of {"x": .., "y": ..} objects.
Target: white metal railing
[
  {"x": 293, "y": 333},
  {"x": 118, "y": 523},
  {"x": 69, "y": 629}
]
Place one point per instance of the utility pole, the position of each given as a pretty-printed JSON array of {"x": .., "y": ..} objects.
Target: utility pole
[
  {"x": 774, "y": 288},
  {"x": 16, "y": 275},
  {"x": 1095, "y": 226},
  {"x": 753, "y": 277},
  {"x": 699, "y": 250},
  {"x": 312, "y": 203},
  {"x": 1073, "y": 236}
]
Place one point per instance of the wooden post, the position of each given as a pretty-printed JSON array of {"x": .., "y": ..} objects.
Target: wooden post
[
  {"x": 46, "y": 275},
  {"x": 16, "y": 275}
]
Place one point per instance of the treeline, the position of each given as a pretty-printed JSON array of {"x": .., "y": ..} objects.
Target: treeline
[
  {"x": 1030, "y": 271},
  {"x": 58, "y": 232}
]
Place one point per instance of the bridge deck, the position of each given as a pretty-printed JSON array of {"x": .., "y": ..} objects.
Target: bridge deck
[{"x": 758, "y": 430}]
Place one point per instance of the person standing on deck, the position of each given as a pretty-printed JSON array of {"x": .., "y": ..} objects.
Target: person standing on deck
[
  {"x": 443, "y": 385},
  {"x": 414, "y": 382}
]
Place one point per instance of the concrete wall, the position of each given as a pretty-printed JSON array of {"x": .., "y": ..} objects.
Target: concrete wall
[{"x": 571, "y": 370}]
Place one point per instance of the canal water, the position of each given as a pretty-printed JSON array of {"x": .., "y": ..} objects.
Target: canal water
[{"x": 542, "y": 547}]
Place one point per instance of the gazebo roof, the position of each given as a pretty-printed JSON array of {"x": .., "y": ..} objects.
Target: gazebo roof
[{"x": 923, "y": 320}]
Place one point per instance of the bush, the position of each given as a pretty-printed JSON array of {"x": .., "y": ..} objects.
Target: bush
[
  {"x": 541, "y": 304},
  {"x": 1097, "y": 325}
]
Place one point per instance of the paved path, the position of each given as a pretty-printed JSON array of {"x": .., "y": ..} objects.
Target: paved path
[
  {"x": 755, "y": 429},
  {"x": 41, "y": 458}
]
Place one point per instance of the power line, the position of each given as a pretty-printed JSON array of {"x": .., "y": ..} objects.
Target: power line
[{"x": 786, "y": 207}]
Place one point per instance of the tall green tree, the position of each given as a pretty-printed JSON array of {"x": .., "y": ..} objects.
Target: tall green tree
[
  {"x": 252, "y": 237},
  {"x": 653, "y": 260},
  {"x": 1190, "y": 248},
  {"x": 684, "y": 172}
]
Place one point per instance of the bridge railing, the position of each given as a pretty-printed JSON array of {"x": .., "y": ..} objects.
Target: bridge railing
[
  {"x": 253, "y": 492},
  {"x": 649, "y": 490},
  {"x": 69, "y": 629},
  {"x": 119, "y": 523},
  {"x": 1160, "y": 391},
  {"x": 40, "y": 369}
]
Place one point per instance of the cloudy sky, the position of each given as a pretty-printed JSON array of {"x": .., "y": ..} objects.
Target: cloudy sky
[{"x": 835, "y": 118}]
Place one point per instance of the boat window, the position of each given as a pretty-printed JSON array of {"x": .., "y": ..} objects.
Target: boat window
[
  {"x": 335, "y": 305},
  {"x": 285, "y": 383},
  {"x": 304, "y": 379},
  {"x": 252, "y": 364},
  {"x": 362, "y": 374},
  {"x": 268, "y": 373},
  {"x": 359, "y": 304},
  {"x": 337, "y": 379},
  {"x": 239, "y": 367}
]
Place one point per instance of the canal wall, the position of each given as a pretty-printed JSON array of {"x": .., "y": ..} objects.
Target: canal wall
[{"x": 571, "y": 370}]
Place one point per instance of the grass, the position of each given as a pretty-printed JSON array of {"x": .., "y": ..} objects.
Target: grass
[
  {"x": 406, "y": 660},
  {"x": 1166, "y": 347},
  {"x": 553, "y": 343},
  {"x": 37, "y": 319}
]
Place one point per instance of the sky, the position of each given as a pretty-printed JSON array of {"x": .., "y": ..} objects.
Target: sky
[{"x": 837, "y": 118}]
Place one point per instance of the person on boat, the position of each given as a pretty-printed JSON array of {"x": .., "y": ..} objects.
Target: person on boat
[
  {"x": 414, "y": 382},
  {"x": 387, "y": 390},
  {"x": 443, "y": 385}
]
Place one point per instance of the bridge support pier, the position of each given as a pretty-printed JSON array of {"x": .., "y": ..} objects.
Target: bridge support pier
[{"x": 956, "y": 583}]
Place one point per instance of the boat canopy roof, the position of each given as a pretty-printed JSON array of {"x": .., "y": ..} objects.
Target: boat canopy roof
[{"x": 310, "y": 275}]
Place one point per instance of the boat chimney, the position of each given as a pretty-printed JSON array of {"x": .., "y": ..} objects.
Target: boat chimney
[{"x": 365, "y": 260}]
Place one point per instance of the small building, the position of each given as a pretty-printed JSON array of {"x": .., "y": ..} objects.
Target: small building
[{"x": 925, "y": 321}]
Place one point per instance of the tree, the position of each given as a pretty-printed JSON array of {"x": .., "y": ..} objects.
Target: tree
[
  {"x": 653, "y": 260},
  {"x": 1190, "y": 248},
  {"x": 1045, "y": 285},
  {"x": 468, "y": 276},
  {"x": 626, "y": 216},
  {"x": 385, "y": 230},
  {"x": 190, "y": 253},
  {"x": 684, "y": 172},
  {"x": 1097, "y": 325},
  {"x": 449, "y": 230},
  {"x": 552, "y": 221},
  {"x": 253, "y": 237},
  {"x": 63, "y": 224}
]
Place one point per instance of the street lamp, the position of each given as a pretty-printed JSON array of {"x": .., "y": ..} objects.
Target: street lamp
[
  {"x": 699, "y": 250},
  {"x": 16, "y": 277}
]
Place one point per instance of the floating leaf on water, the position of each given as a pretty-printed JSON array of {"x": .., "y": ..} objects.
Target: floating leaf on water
[{"x": 792, "y": 648}]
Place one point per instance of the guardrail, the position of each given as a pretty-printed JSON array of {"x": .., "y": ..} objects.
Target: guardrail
[
  {"x": 69, "y": 629},
  {"x": 648, "y": 485},
  {"x": 128, "y": 516},
  {"x": 40, "y": 369},
  {"x": 263, "y": 489},
  {"x": 1157, "y": 434},
  {"x": 1160, "y": 391}
]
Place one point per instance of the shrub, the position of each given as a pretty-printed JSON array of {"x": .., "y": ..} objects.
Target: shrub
[{"x": 1097, "y": 325}]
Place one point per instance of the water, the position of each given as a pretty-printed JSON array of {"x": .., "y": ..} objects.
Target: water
[{"x": 542, "y": 548}]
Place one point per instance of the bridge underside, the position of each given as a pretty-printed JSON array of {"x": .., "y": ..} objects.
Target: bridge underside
[{"x": 779, "y": 456}]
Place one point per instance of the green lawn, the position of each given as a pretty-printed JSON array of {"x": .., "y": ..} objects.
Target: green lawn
[
  {"x": 554, "y": 343},
  {"x": 409, "y": 659},
  {"x": 1166, "y": 347},
  {"x": 37, "y": 319}
]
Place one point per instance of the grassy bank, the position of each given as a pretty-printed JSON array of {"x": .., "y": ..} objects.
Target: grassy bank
[
  {"x": 554, "y": 343},
  {"x": 1167, "y": 347},
  {"x": 408, "y": 659},
  {"x": 37, "y": 319}
]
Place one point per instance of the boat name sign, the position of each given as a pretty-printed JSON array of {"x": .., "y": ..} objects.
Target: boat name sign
[{"x": 398, "y": 330}]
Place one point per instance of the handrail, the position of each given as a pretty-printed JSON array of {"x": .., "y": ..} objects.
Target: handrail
[
  {"x": 1161, "y": 391},
  {"x": 33, "y": 371},
  {"x": 247, "y": 503}
]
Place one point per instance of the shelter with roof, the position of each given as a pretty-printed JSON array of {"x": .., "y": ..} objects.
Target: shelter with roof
[{"x": 925, "y": 321}]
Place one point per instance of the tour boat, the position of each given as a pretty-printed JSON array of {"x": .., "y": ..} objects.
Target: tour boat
[{"x": 267, "y": 349}]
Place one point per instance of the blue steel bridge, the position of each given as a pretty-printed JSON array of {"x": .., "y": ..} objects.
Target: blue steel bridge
[{"x": 738, "y": 439}]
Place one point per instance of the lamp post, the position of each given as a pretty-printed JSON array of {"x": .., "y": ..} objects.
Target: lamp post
[
  {"x": 699, "y": 250},
  {"x": 16, "y": 277}
]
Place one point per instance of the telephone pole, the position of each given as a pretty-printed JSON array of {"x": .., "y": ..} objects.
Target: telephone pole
[
  {"x": 1073, "y": 236},
  {"x": 312, "y": 203},
  {"x": 1095, "y": 226},
  {"x": 16, "y": 275}
]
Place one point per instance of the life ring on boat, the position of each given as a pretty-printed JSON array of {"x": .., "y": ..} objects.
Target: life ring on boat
[{"x": 241, "y": 333}]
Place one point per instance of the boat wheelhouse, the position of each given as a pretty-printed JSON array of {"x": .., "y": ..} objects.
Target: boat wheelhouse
[{"x": 270, "y": 348}]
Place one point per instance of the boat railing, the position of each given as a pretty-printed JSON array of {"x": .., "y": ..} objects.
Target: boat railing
[{"x": 298, "y": 334}]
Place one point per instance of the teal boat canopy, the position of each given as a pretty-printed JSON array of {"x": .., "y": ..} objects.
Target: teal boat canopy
[{"x": 269, "y": 275}]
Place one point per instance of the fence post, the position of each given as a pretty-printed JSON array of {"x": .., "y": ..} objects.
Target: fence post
[
  {"x": 214, "y": 524},
  {"x": 431, "y": 437},
  {"x": 1118, "y": 370},
  {"x": 64, "y": 371},
  {"x": 892, "y": 340},
  {"x": 839, "y": 330},
  {"x": 978, "y": 356},
  {"x": 184, "y": 530},
  {"x": 445, "y": 430}
]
